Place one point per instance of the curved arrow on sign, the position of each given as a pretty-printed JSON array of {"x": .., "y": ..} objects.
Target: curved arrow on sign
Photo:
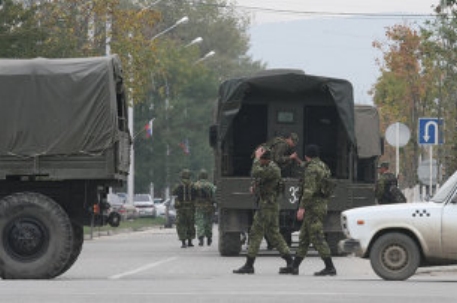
[{"x": 427, "y": 127}]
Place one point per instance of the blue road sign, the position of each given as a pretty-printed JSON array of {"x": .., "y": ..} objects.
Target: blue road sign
[{"x": 430, "y": 131}]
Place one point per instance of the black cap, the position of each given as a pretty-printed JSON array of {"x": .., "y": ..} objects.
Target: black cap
[{"x": 312, "y": 151}]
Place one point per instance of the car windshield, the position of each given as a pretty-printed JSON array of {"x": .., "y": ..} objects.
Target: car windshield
[{"x": 445, "y": 190}]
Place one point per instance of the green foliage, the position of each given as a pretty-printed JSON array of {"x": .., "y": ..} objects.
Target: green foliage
[{"x": 418, "y": 79}]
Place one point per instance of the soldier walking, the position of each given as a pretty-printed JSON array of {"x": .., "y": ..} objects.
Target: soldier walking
[
  {"x": 204, "y": 208},
  {"x": 266, "y": 176},
  {"x": 312, "y": 210},
  {"x": 185, "y": 193}
]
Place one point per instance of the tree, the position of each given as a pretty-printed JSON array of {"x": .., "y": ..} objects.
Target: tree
[{"x": 405, "y": 90}]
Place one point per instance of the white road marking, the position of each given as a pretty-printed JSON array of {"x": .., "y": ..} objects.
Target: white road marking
[{"x": 142, "y": 268}]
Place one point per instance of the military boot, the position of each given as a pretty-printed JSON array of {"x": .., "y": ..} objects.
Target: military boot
[
  {"x": 289, "y": 262},
  {"x": 189, "y": 243},
  {"x": 209, "y": 241},
  {"x": 183, "y": 244},
  {"x": 329, "y": 269},
  {"x": 247, "y": 268},
  {"x": 200, "y": 241},
  {"x": 293, "y": 270}
]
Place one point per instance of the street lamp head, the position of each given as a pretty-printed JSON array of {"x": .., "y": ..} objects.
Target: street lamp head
[
  {"x": 209, "y": 54},
  {"x": 182, "y": 20},
  {"x": 195, "y": 41}
]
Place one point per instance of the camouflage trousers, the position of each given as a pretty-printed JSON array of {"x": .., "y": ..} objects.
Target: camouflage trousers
[
  {"x": 312, "y": 231},
  {"x": 185, "y": 223},
  {"x": 204, "y": 221},
  {"x": 266, "y": 223}
]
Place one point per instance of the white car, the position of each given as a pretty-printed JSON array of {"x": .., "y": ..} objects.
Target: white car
[
  {"x": 399, "y": 238},
  {"x": 145, "y": 205}
]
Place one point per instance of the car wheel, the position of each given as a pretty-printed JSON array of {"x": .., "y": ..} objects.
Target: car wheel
[
  {"x": 36, "y": 237},
  {"x": 395, "y": 256},
  {"x": 114, "y": 219}
]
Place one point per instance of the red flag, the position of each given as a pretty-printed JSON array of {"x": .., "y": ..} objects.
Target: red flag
[
  {"x": 149, "y": 127},
  {"x": 185, "y": 146}
]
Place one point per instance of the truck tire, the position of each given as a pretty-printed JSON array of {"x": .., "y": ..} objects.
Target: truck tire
[
  {"x": 333, "y": 238},
  {"x": 78, "y": 240},
  {"x": 229, "y": 243},
  {"x": 395, "y": 256},
  {"x": 36, "y": 237}
]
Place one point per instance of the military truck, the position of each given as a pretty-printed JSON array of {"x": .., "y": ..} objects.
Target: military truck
[
  {"x": 64, "y": 140},
  {"x": 321, "y": 111}
]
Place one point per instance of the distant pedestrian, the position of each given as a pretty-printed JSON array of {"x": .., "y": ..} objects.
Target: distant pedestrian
[
  {"x": 204, "y": 208},
  {"x": 312, "y": 211},
  {"x": 386, "y": 189},
  {"x": 186, "y": 194},
  {"x": 266, "y": 177}
]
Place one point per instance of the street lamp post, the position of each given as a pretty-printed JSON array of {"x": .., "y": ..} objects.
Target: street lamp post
[{"x": 131, "y": 177}]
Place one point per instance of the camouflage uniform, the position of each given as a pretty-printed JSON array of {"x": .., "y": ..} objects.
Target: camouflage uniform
[
  {"x": 266, "y": 219},
  {"x": 185, "y": 193},
  {"x": 204, "y": 208},
  {"x": 281, "y": 151},
  {"x": 382, "y": 186},
  {"x": 312, "y": 229},
  {"x": 266, "y": 177}
]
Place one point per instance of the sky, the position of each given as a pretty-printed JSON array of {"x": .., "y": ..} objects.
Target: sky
[{"x": 330, "y": 38}]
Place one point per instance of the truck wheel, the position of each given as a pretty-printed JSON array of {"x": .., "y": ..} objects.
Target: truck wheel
[
  {"x": 36, "y": 237},
  {"x": 78, "y": 240},
  {"x": 229, "y": 243},
  {"x": 395, "y": 256},
  {"x": 333, "y": 238}
]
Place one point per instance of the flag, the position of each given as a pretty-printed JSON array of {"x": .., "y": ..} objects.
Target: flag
[
  {"x": 149, "y": 127},
  {"x": 185, "y": 146}
]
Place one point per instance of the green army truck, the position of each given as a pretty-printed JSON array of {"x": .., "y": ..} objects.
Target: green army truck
[
  {"x": 64, "y": 140},
  {"x": 321, "y": 110}
]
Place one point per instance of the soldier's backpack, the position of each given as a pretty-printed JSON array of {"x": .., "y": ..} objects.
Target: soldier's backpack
[{"x": 328, "y": 185}]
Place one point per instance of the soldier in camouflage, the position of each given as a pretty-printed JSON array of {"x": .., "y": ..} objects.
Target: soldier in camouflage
[
  {"x": 185, "y": 193},
  {"x": 204, "y": 208},
  {"x": 282, "y": 150},
  {"x": 266, "y": 177},
  {"x": 315, "y": 205},
  {"x": 385, "y": 180}
]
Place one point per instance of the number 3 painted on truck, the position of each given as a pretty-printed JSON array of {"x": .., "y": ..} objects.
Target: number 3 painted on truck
[{"x": 293, "y": 194}]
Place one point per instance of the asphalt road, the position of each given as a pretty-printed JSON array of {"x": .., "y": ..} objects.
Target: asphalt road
[{"x": 150, "y": 266}]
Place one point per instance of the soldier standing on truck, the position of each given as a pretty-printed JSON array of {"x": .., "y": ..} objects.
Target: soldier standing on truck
[
  {"x": 266, "y": 175},
  {"x": 315, "y": 204},
  {"x": 283, "y": 153},
  {"x": 186, "y": 194},
  {"x": 204, "y": 208}
]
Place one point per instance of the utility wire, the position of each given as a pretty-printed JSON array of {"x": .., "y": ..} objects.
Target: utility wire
[{"x": 323, "y": 13}]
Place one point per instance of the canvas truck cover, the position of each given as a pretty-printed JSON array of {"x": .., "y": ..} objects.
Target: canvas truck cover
[
  {"x": 285, "y": 83},
  {"x": 367, "y": 131},
  {"x": 58, "y": 106}
]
